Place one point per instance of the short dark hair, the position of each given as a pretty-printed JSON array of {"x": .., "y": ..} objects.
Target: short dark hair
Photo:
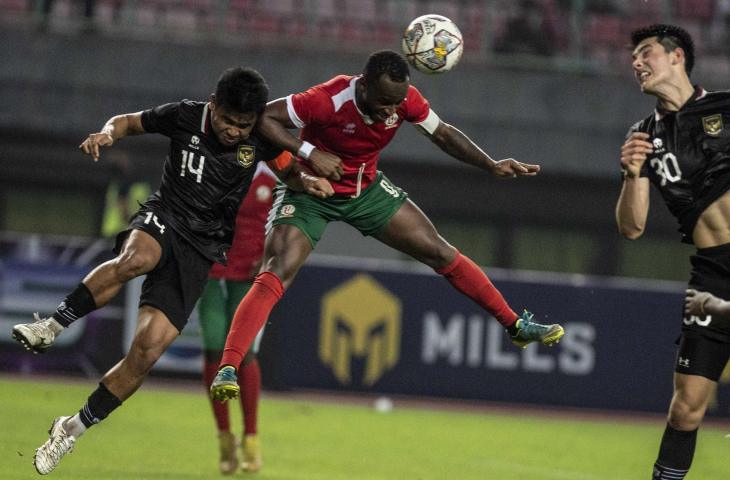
[
  {"x": 389, "y": 63},
  {"x": 243, "y": 90},
  {"x": 671, "y": 37}
]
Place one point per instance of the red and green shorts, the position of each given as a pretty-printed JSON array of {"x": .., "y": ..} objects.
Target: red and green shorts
[{"x": 369, "y": 213}]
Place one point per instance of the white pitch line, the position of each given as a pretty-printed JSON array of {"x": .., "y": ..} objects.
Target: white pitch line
[{"x": 546, "y": 473}]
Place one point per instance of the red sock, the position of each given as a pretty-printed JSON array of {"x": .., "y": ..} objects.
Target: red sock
[
  {"x": 249, "y": 379},
  {"x": 470, "y": 280},
  {"x": 250, "y": 316},
  {"x": 220, "y": 410}
]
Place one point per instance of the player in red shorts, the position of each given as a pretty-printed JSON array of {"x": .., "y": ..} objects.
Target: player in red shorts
[
  {"x": 345, "y": 123},
  {"x": 225, "y": 288}
]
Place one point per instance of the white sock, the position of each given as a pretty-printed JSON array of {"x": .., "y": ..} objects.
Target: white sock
[
  {"x": 74, "y": 426},
  {"x": 55, "y": 326}
]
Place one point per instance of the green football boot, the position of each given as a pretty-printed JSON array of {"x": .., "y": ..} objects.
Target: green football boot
[
  {"x": 225, "y": 384},
  {"x": 529, "y": 331}
]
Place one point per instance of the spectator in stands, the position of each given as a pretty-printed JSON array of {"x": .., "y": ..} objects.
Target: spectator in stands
[
  {"x": 528, "y": 32},
  {"x": 88, "y": 23}
]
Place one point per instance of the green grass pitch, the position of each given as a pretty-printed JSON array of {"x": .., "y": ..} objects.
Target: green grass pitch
[{"x": 169, "y": 434}]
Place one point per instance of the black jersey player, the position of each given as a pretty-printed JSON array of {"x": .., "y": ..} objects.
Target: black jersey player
[
  {"x": 683, "y": 149},
  {"x": 174, "y": 238}
]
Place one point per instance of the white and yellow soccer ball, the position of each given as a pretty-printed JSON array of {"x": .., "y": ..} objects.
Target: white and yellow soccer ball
[{"x": 432, "y": 44}]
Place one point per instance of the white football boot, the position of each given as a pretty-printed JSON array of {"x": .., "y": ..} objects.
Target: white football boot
[
  {"x": 37, "y": 336},
  {"x": 59, "y": 443}
]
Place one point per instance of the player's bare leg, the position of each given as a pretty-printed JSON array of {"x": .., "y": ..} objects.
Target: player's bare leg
[
  {"x": 692, "y": 395},
  {"x": 139, "y": 255},
  {"x": 411, "y": 232},
  {"x": 285, "y": 251},
  {"x": 154, "y": 334}
]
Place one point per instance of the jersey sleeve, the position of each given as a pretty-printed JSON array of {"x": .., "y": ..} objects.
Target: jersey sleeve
[
  {"x": 309, "y": 107},
  {"x": 281, "y": 162},
  {"x": 161, "y": 119},
  {"x": 417, "y": 108}
]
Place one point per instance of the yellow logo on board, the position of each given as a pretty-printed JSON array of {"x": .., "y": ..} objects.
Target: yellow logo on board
[{"x": 360, "y": 319}]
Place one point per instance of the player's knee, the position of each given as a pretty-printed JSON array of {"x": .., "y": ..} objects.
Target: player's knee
[
  {"x": 438, "y": 254},
  {"x": 285, "y": 268},
  {"x": 250, "y": 357},
  {"x": 685, "y": 415},
  {"x": 144, "y": 354}
]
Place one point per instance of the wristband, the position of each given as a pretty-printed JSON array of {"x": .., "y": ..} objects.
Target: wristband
[{"x": 305, "y": 150}]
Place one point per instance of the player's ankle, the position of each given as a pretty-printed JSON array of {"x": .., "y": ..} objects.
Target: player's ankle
[{"x": 55, "y": 326}]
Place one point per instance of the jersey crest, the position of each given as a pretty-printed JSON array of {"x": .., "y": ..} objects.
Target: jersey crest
[
  {"x": 392, "y": 121},
  {"x": 246, "y": 155},
  {"x": 712, "y": 125}
]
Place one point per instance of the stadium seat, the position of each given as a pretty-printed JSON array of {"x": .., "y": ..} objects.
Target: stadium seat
[{"x": 702, "y": 10}]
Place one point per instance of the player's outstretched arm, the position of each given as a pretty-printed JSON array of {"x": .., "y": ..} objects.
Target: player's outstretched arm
[
  {"x": 705, "y": 303},
  {"x": 274, "y": 125},
  {"x": 452, "y": 141},
  {"x": 115, "y": 128}
]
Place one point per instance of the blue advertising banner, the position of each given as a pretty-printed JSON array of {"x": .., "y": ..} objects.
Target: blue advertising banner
[
  {"x": 93, "y": 344},
  {"x": 395, "y": 327},
  {"x": 391, "y": 328}
]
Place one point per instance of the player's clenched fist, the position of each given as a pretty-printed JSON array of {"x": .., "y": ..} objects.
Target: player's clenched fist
[
  {"x": 326, "y": 164},
  {"x": 91, "y": 145},
  {"x": 634, "y": 152},
  {"x": 317, "y": 186}
]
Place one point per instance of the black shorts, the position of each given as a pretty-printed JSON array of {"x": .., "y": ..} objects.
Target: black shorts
[
  {"x": 711, "y": 273},
  {"x": 701, "y": 355},
  {"x": 179, "y": 278},
  {"x": 704, "y": 346}
]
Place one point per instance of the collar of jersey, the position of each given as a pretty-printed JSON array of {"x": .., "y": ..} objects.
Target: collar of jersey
[
  {"x": 205, "y": 120},
  {"x": 353, "y": 87},
  {"x": 699, "y": 93}
]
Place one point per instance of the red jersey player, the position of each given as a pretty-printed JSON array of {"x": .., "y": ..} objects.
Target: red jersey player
[
  {"x": 345, "y": 123},
  {"x": 225, "y": 288}
]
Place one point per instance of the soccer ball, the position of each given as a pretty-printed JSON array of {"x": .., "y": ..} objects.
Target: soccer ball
[{"x": 432, "y": 44}]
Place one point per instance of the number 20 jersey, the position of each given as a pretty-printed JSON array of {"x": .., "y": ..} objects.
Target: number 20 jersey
[
  {"x": 690, "y": 162},
  {"x": 203, "y": 181}
]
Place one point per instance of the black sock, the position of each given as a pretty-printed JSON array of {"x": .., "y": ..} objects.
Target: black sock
[
  {"x": 99, "y": 405},
  {"x": 675, "y": 454},
  {"x": 77, "y": 304}
]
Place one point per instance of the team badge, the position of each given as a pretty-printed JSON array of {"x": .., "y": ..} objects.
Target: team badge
[
  {"x": 287, "y": 210},
  {"x": 246, "y": 155},
  {"x": 391, "y": 121},
  {"x": 712, "y": 124}
]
